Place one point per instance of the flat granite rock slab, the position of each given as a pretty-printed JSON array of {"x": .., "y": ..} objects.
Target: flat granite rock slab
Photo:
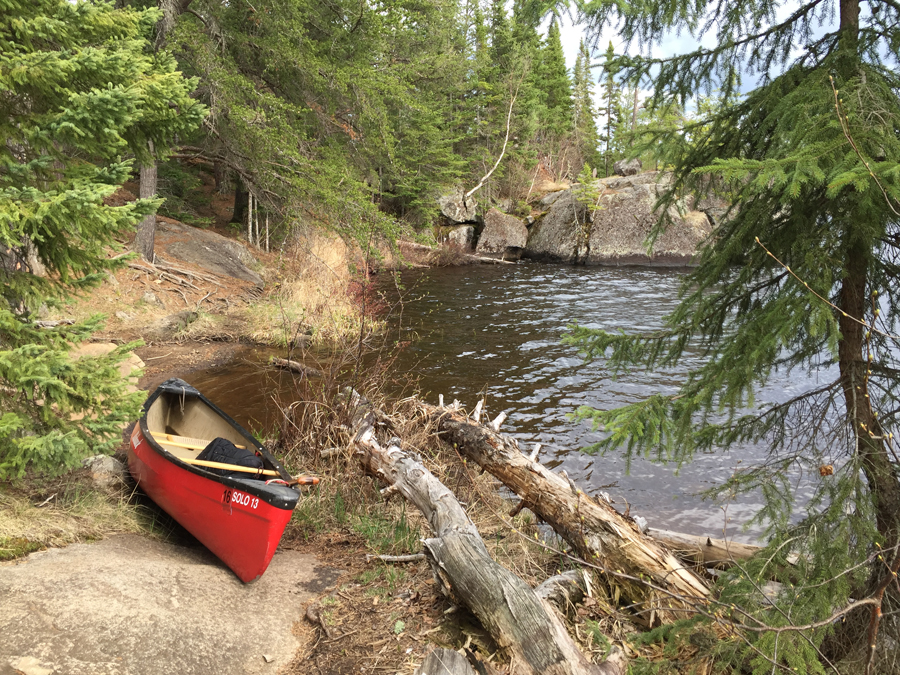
[{"x": 128, "y": 605}]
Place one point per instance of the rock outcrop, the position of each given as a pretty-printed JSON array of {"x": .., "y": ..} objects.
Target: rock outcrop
[
  {"x": 456, "y": 208},
  {"x": 616, "y": 231},
  {"x": 208, "y": 250},
  {"x": 462, "y": 236},
  {"x": 504, "y": 236}
]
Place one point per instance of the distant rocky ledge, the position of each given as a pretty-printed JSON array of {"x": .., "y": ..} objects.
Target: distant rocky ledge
[{"x": 614, "y": 230}]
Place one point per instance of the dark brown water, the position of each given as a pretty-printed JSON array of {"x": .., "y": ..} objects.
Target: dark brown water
[{"x": 495, "y": 331}]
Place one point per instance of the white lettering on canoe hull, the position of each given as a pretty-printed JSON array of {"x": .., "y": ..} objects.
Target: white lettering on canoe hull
[{"x": 237, "y": 497}]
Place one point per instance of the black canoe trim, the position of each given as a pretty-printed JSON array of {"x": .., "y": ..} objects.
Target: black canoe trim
[{"x": 279, "y": 496}]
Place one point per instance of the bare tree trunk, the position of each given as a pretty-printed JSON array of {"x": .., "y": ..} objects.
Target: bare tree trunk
[
  {"x": 145, "y": 237},
  {"x": 657, "y": 585},
  {"x": 706, "y": 551},
  {"x": 442, "y": 661},
  {"x": 220, "y": 175},
  {"x": 241, "y": 197},
  {"x": 522, "y": 624},
  {"x": 635, "y": 108}
]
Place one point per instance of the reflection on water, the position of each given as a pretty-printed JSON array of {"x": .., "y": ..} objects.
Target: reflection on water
[{"x": 495, "y": 331}]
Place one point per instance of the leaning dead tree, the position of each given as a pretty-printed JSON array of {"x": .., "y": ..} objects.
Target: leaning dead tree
[
  {"x": 521, "y": 622},
  {"x": 649, "y": 577}
]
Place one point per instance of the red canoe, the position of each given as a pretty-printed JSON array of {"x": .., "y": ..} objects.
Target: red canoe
[{"x": 240, "y": 519}]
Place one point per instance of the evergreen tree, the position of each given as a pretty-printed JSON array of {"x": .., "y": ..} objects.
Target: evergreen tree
[
  {"x": 814, "y": 178},
  {"x": 612, "y": 111},
  {"x": 472, "y": 117},
  {"x": 584, "y": 120},
  {"x": 555, "y": 86},
  {"x": 501, "y": 39},
  {"x": 81, "y": 91}
]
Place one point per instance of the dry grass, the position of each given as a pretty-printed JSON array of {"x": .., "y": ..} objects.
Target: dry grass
[
  {"x": 40, "y": 514},
  {"x": 312, "y": 294}
]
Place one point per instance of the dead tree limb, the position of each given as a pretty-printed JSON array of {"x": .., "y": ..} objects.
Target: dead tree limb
[
  {"x": 649, "y": 577},
  {"x": 442, "y": 661},
  {"x": 296, "y": 367},
  {"x": 522, "y": 624},
  {"x": 706, "y": 551}
]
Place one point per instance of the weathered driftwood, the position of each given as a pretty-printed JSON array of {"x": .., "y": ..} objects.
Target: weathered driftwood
[
  {"x": 564, "y": 591},
  {"x": 295, "y": 366},
  {"x": 520, "y": 622},
  {"x": 705, "y": 551},
  {"x": 442, "y": 661},
  {"x": 649, "y": 577}
]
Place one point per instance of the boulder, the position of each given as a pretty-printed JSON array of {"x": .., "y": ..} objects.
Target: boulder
[
  {"x": 150, "y": 298},
  {"x": 547, "y": 200},
  {"x": 616, "y": 232},
  {"x": 107, "y": 473},
  {"x": 554, "y": 236},
  {"x": 503, "y": 236},
  {"x": 627, "y": 167},
  {"x": 457, "y": 208},
  {"x": 462, "y": 236},
  {"x": 211, "y": 251}
]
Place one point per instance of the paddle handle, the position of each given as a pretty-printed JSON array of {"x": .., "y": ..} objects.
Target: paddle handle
[
  {"x": 230, "y": 467},
  {"x": 304, "y": 480}
]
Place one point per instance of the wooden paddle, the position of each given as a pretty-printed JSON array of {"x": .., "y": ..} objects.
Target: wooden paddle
[{"x": 199, "y": 444}]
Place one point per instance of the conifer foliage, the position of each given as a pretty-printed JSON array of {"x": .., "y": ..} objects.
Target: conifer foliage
[
  {"x": 802, "y": 274},
  {"x": 79, "y": 91}
]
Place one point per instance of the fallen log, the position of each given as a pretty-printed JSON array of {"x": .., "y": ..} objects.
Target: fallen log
[
  {"x": 521, "y": 623},
  {"x": 295, "y": 366},
  {"x": 564, "y": 591},
  {"x": 441, "y": 661},
  {"x": 656, "y": 585},
  {"x": 706, "y": 551}
]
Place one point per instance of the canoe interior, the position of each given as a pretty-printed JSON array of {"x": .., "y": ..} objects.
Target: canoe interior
[{"x": 192, "y": 417}]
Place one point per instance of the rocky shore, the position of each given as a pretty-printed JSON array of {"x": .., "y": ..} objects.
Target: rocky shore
[{"x": 607, "y": 222}]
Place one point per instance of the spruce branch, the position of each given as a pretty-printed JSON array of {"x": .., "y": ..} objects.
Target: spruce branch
[
  {"x": 844, "y": 120},
  {"x": 861, "y": 322}
]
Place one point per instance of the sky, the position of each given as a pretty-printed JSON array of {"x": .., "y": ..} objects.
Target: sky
[
  {"x": 571, "y": 35},
  {"x": 672, "y": 44}
]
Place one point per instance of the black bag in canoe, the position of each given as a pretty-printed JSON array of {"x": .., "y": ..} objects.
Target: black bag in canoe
[{"x": 224, "y": 451}]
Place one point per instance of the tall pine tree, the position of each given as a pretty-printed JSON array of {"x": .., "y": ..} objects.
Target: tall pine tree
[
  {"x": 611, "y": 112},
  {"x": 802, "y": 274},
  {"x": 583, "y": 113},
  {"x": 82, "y": 91},
  {"x": 555, "y": 86}
]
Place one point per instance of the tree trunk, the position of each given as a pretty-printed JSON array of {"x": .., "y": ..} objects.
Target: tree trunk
[
  {"x": 706, "y": 551},
  {"x": 145, "y": 237},
  {"x": 220, "y": 175},
  {"x": 647, "y": 575},
  {"x": 522, "y": 624},
  {"x": 861, "y": 627},
  {"x": 240, "y": 201}
]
